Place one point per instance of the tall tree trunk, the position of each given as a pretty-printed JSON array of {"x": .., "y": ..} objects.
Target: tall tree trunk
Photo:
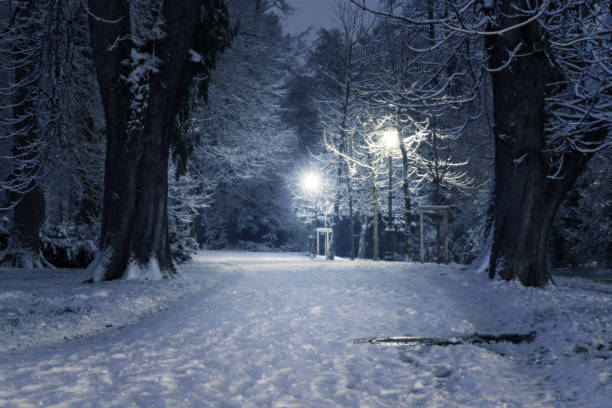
[
  {"x": 143, "y": 82},
  {"x": 343, "y": 146},
  {"x": 375, "y": 255},
  {"x": 330, "y": 252},
  {"x": 351, "y": 215},
  {"x": 436, "y": 195},
  {"x": 29, "y": 210},
  {"x": 407, "y": 205},
  {"x": 525, "y": 198},
  {"x": 361, "y": 254}
]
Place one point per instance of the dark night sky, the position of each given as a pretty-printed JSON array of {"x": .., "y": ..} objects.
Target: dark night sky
[{"x": 318, "y": 13}]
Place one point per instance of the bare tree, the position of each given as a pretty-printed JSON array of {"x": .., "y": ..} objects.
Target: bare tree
[
  {"x": 245, "y": 146},
  {"x": 341, "y": 57}
]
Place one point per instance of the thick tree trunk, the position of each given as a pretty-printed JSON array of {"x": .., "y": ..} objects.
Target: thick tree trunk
[
  {"x": 523, "y": 209},
  {"x": 140, "y": 103},
  {"x": 525, "y": 198}
]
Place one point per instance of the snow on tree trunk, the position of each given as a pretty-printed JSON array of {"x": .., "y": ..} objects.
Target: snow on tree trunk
[{"x": 146, "y": 54}]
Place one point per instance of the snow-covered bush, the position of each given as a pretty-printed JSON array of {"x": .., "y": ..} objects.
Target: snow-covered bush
[
  {"x": 182, "y": 245},
  {"x": 68, "y": 245}
]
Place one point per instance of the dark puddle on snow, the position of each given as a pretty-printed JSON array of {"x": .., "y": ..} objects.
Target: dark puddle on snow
[{"x": 475, "y": 338}]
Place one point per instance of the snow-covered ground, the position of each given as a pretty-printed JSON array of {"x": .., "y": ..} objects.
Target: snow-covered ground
[{"x": 276, "y": 330}]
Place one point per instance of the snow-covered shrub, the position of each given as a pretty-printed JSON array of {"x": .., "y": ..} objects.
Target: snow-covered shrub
[
  {"x": 467, "y": 228},
  {"x": 182, "y": 245},
  {"x": 68, "y": 245}
]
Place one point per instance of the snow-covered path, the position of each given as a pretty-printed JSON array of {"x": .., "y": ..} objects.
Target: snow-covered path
[{"x": 276, "y": 330}]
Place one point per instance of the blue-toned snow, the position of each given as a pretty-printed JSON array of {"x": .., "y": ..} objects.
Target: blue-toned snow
[{"x": 275, "y": 330}]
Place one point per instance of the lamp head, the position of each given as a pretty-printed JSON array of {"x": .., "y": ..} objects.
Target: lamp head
[
  {"x": 391, "y": 138},
  {"x": 311, "y": 182}
]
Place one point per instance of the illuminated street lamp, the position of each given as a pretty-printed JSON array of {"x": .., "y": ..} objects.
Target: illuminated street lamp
[
  {"x": 391, "y": 141},
  {"x": 311, "y": 183}
]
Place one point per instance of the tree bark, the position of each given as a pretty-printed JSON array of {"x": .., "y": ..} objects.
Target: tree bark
[
  {"x": 525, "y": 198},
  {"x": 140, "y": 104}
]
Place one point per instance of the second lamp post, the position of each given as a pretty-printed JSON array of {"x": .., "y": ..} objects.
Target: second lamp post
[
  {"x": 391, "y": 140},
  {"x": 311, "y": 183}
]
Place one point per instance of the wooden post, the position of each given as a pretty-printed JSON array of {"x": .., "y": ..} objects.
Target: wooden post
[
  {"x": 317, "y": 234},
  {"x": 437, "y": 210},
  {"x": 422, "y": 250},
  {"x": 446, "y": 237}
]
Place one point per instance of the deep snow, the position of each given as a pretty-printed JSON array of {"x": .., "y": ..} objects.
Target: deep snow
[{"x": 275, "y": 330}]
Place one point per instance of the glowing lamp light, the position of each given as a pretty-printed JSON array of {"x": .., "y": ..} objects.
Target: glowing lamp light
[
  {"x": 311, "y": 182},
  {"x": 390, "y": 138}
]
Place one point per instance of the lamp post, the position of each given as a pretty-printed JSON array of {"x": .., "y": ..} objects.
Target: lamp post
[
  {"x": 391, "y": 139},
  {"x": 311, "y": 183}
]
